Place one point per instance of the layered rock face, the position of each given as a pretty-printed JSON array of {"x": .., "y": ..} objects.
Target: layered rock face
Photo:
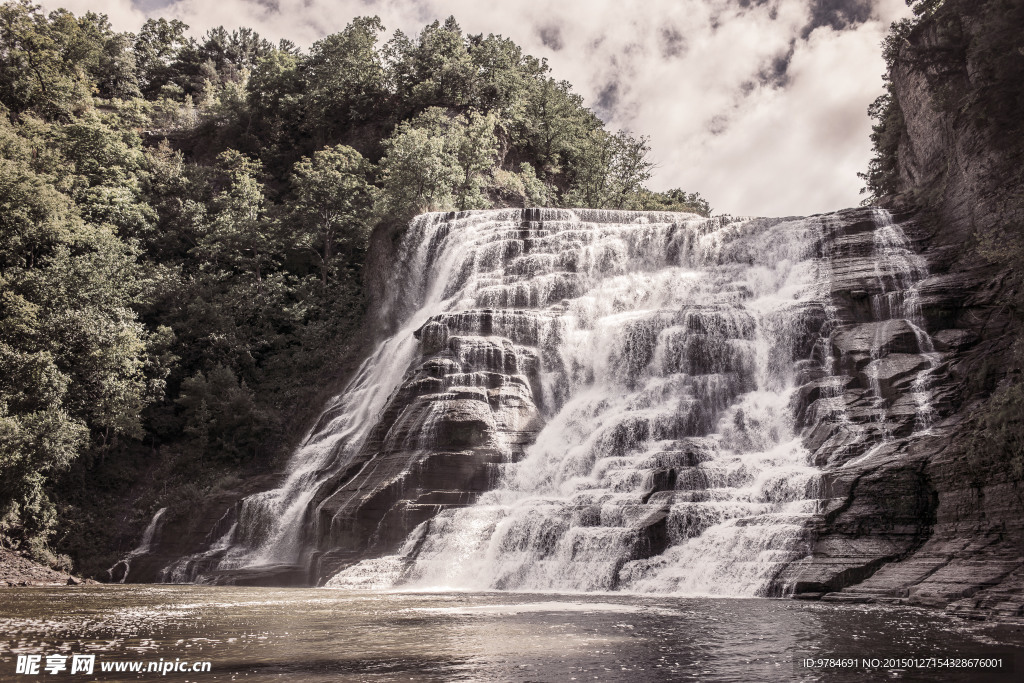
[
  {"x": 656, "y": 402},
  {"x": 924, "y": 520},
  {"x": 600, "y": 400},
  {"x": 905, "y": 518},
  {"x": 951, "y": 162}
]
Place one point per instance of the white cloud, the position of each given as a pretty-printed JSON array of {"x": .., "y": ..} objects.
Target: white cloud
[{"x": 761, "y": 108}]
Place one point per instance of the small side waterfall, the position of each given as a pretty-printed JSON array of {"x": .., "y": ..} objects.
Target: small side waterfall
[
  {"x": 119, "y": 572},
  {"x": 899, "y": 271}
]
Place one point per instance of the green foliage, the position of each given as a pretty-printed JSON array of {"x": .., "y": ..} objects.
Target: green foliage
[
  {"x": 437, "y": 71},
  {"x": 73, "y": 361},
  {"x": 184, "y": 224},
  {"x": 333, "y": 207},
  {"x": 344, "y": 77},
  {"x": 156, "y": 48},
  {"x": 223, "y": 415},
  {"x": 437, "y": 161},
  {"x": 676, "y": 200},
  {"x": 44, "y": 61},
  {"x": 609, "y": 171},
  {"x": 520, "y": 189},
  {"x": 239, "y": 240},
  {"x": 882, "y": 176}
]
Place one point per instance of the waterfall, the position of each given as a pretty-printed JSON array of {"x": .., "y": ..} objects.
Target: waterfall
[
  {"x": 122, "y": 567},
  {"x": 667, "y": 346},
  {"x": 899, "y": 272},
  {"x": 272, "y": 525},
  {"x": 598, "y": 400}
]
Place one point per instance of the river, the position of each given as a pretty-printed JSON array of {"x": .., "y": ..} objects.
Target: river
[{"x": 264, "y": 634}]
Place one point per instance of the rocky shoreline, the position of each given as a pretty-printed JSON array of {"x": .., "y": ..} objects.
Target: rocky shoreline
[{"x": 18, "y": 571}]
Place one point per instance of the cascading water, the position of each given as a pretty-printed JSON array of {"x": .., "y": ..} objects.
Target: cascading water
[
  {"x": 899, "y": 272},
  {"x": 599, "y": 400},
  {"x": 669, "y": 461},
  {"x": 272, "y": 525},
  {"x": 119, "y": 572}
]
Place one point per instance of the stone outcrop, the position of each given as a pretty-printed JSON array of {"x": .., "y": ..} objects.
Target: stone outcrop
[
  {"x": 18, "y": 570},
  {"x": 904, "y": 517},
  {"x": 948, "y": 160},
  {"x": 922, "y": 520},
  {"x": 457, "y": 418}
]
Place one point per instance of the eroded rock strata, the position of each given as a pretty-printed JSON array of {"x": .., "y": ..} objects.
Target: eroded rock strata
[
  {"x": 879, "y": 363},
  {"x": 952, "y": 533}
]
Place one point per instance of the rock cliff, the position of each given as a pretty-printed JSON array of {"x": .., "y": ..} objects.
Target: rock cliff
[{"x": 921, "y": 520}]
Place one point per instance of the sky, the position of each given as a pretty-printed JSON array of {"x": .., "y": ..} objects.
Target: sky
[{"x": 759, "y": 105}]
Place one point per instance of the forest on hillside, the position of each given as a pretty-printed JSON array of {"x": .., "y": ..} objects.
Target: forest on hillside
[{"x": 184, "y": 227}]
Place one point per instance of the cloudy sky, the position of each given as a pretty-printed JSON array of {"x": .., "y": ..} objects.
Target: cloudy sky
[{"x": 760, "y": 105}]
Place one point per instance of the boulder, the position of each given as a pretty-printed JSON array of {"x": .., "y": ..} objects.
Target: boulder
[{"x": 892, "y": 375}]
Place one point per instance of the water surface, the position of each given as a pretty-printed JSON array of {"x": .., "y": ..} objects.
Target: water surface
[{"x": 263, "y": 634}]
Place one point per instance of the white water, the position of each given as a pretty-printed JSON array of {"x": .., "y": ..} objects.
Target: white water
[
  {"x": 149, "y": 533},
  {"x": 663, "y": 351},
  {"x": 899, "y": 271},
  {"x": 145, "y": 544},
  {"x": 667, "y": 342},
  {"x": 272, "y": 524}
]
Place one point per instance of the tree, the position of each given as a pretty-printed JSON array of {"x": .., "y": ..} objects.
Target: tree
[
  {"x": 223, "y": 415},
  {"x": 437, "y": 161},
  {"x": 73, "y": 355},
  {"x": 240, "y": 239},
  {"x": 416, "y": 172},
  {"x": 333, "y": 206},
  {"x": 474, "y": 146},
  {"x": 202, "y": 68},
  {"x": 504, "y": 75},
  {"x": 675, "y": 200},
  {"x": 609, "y": 171},
  {"x": 156, "y": 49},
  {"x": 117, "y": 73},
  {"x": 554, "y": 129},
  {"x": 442, "y": 72},
  {"x": 42, "y": 61},
  {"x": 344, "y": 79},
  {"x": 628, "y": 170},
  {"x": 275, "y": 93}
]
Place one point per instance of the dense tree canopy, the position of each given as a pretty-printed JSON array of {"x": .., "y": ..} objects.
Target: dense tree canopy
[{"x": 183, "y": 227}]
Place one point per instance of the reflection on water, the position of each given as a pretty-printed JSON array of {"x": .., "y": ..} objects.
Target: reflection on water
[{"x": 258, "y": 634}]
